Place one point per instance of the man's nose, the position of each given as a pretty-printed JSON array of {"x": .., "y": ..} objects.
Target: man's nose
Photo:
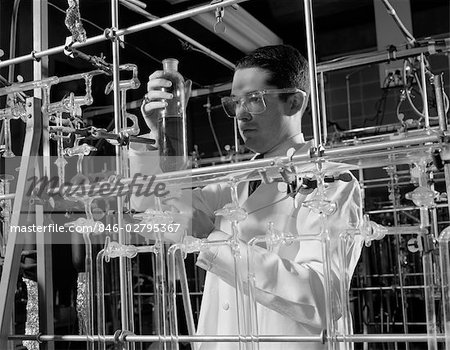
[{"x": 242, "y": 113}]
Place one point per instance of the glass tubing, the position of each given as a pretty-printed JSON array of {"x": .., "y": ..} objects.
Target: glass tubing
[
  {"x": 319, "y": 203},
  {"x": 427, "y": 314}
]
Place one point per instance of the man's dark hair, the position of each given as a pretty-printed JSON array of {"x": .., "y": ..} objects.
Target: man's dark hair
[{"x": 287, "y": 66}]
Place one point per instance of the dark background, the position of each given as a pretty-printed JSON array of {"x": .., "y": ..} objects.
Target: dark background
[{"x": 341, "y": 28}]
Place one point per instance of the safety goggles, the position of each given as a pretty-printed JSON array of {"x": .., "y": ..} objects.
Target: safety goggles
[{"x": 253, "y": 102}]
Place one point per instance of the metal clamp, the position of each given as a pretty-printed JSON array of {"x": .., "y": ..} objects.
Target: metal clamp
[
  {"x": 33, "y": 54},
  {"x": 110, "y": 33},
  {"x": 120, "y": 337}
]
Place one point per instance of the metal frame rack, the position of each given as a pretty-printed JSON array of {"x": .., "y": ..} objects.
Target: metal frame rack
[{"x": 386, "y": 151}]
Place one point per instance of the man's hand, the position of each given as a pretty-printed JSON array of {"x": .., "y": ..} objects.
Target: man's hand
[{"x": 155, "y": 98}]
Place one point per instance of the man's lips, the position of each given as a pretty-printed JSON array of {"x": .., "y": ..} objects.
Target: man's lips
[{"x": 248, "y": 130}]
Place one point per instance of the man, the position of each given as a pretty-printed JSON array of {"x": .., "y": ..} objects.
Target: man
[{"x": 268, "y": 97}]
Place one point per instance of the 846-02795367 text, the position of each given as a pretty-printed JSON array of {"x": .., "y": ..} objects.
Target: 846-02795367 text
[
  {"x": 99, "y": 227},
  {"x": 139, "y": 227}
]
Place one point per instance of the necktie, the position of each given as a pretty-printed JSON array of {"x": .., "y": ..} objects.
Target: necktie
[{"x": 254, "y": 184}]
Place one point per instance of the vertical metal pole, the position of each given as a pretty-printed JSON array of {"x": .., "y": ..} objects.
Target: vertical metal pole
[
  {"x": 444, "y": 258},
  {"x": 125, "y": 296},
  {"x": 236, "y": 136},
  {"x": 439, "y": 92},
  {"x": 43, "y": 239},
  {"x": 423, "y": 73},
  {"x": 323, "y": 107},
  {"x": 362, "y": 296},
  {"x": 349, "y": 105},
  {"x": 447, "y": 178},
  {"x": 427, "y": 263},
  {"x": 13, "y": 38},
  {"x": 312, "y": 72},
  {"x": 395, "y": 205}
]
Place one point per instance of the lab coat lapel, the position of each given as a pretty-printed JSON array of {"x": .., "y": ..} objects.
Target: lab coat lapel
[{"x": 265, "y": 194}]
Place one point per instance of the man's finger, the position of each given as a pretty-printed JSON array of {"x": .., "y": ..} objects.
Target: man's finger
[
  {"x": 158, "y": 83},
  {"x": 153, "y": 95},
  {"x": 156, "y": 74},
  {"x": 149, "y": 107}
]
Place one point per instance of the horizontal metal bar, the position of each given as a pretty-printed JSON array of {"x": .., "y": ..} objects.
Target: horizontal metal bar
[
  {"x": 119, "y": 32},
  {"x": 401, "y": 209},
  {"x": 181, "y": 35},
  {"x": 7, "y": 196},
  {"x": 201, "y": 176},
  {"x": 248, "y": 170},
  {"x": 388, "y": 338},
  {"x": 385, "y": 275},
  {"x": 379, "y": 57},
  {"x": 397, "y": 323},
  {"x": 399, "y": 183},
  {"x": 406, "y": 141},
  {"x": 356, "y": 338},
  {"x": 372, "y": 289},
  {"x": 211, "y": 90},
  {"x": 164, "y": 339}
]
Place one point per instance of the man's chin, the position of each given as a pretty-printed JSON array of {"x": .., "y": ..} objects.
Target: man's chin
[{"x": 253, "y": 147}]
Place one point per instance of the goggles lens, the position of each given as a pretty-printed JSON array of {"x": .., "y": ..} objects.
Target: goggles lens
[{"x": 253, "y": 102}]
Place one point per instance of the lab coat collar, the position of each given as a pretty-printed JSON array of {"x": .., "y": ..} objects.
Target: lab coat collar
[
  {"x": 297, "y": 141},
  {"x": 271, "y": 191}
]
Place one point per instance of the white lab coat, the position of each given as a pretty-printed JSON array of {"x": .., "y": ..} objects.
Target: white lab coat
[{"x": 289, "y": 280}]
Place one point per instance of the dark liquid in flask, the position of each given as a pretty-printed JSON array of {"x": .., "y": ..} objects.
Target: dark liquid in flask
[
  {"x": 172, "y": 122},
  {"x": 172, "y": 144}
]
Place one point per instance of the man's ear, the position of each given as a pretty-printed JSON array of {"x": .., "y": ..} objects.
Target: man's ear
[{"x": 295, "y": 103}]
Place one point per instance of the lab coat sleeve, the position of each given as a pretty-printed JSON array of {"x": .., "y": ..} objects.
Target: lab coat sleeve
[
  {"x": 205, "y": 201},
  {"x": 194, "y": 209},
  {"x": 294, "y": 288},
  {"x": 142, "y": 162}
]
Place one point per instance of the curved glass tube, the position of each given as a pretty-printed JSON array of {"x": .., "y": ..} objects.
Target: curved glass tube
[
  {"x": 327, "y": 276},
  {"x": 60, "y": 161},
  {"x": 346, "y": 239},
  {"x": 89, "y": 290},
  {"x": 16, "y": 109},
  {"x": 172, "y": 297},
  {"x": 8, "y": 153},
  {"x": 176, "y": 254},
  {"x": 234, "y": 213},
  {"x": 274, "y": 239},
  {"x": 113, "y": 250},
  {"x": 176, "y": 263},
  {"x": 101, "y": 322},
  {"x": 160, "y": 279}
]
